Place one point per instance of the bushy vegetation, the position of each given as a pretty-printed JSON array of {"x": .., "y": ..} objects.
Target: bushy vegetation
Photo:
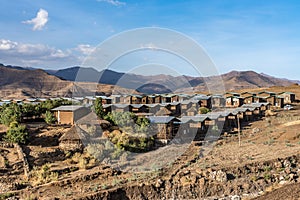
[
  {"x": 98, "y": 108},
  {"x": 204, "y": 110},
  {"x": 43, "y": 175},
  {"x": 11, "y": 115},
  {"x": 16, "y": 133},
  {"x": 49, "y": 117}
]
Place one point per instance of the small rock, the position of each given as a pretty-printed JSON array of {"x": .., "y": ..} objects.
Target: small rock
[
  {"x": 235, "y": 197},
  {"x": 221, "y": 176},
  {"x": 283, "y": 182},
  {"x": 255, "y": 130},
  {"x": 159, "y": 183}
]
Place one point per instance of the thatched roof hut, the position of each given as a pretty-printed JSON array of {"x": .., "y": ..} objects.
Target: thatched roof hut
[{"x": 72, "y": 140}]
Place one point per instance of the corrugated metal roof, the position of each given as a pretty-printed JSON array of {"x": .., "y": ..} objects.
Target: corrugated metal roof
[
  {"x": 67, "y": 108},
  {"x": 161, "y": 119}
]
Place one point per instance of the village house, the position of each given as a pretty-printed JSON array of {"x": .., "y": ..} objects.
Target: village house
[
  {"x": 248, "y": 99},
  {"x": 136, "y": 99},
  {"x": 234, "y": 101},
  {"x": 266, "y": 94},
  {"x": 69, "y": 114},
  {"x": 165, "y": 126},
  {"x": 247, "y": 94},
  {"x": 229, "y": 94},
  {"x": 192, "y": 111},
  {"x": 193, "y": 127},
  {"x": 158, "y": 98},
  {"x": 144, "y": 99},
  {"x": 153, "y": 108},
  {"x": 120, "y": 107},
  {"x": 151, "y": 99},
  {"x": 125, "y": 99},
  {"x": 205, "y": 100},
  {"x": 166, "y": 98},
  {"x": 138, "y": 108},
  {"x": 105, "y": 99},
  {"x": 279, "y": 101},
  {"x": 174, "y": 108},
  {"x": 289, "y": 97},
  {"x": 185, "y": 105},
  {"x": 115, "y": 98},
  {"x": 218, "y": 101},
  {"x": 71, "y": 140},
  {"x": 107, "y": 108}
]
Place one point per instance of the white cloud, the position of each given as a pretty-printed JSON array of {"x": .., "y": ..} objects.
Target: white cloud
[
  {"x": 85, "y": 49},
  {"x": 113, "y": 2},
  {"x": 7, "y": 44},
  {"x": 39, "y": 21},
  {"x": 12, "y": 52}
]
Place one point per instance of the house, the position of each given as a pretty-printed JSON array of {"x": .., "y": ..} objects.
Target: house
[
  {"x": 193, "y": 127},
  {"x": 174, "y": 108},
  {"x": 166, "y": 98},
  {"x": 144, "y": 99},
  {"x": 153, "y": 108},
  {"x": 218, "y": 101},
  {"x": 105, "y": 99},
  {"x": 71, "y": 140},
  {"x": 92, "y": 125},
  {"x": 138, "y": 108},
  {"x": 247, "y": 94},
  {"x": 165, "y": 127},
  {"x": 229, "y": 94},
  {"x": 279, "y": 101},
  {"x": 115, "y": 98},
  {"x": 163, "y": 111},
  {"x": 136, "y": 99},
  {"x": 120, "y": 107},
  {"x": 248, "y": 99},
  {"x": 259, "y": 99},
  {"x": 70, "y": 114},
  {"x": 230, "y": 120},
  {"x": 151, "y": 99},
  {"x": 158, "y": 98},
  {"x": 89, "y": 100},
  {"x": 266, "y": 94},
  {"x": 185, "y": 105},
  {"x": 180, "y": 97},
  {"x": 289, "y": 97},
  {"x": 125, "y": 99},
  {"x": 107, "y": 108},
  {"x": 234, "y": 101},
  {"x": 271, "y": 100},
  {"x": 205, "y": 101},
  {"x": 192, "y": 111}
]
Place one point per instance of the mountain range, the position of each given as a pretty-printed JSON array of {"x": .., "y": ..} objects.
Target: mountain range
[{"x": 31, "y": 82}]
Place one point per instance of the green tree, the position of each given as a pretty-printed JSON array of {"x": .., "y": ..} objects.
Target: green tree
[
  {"x": 49, "y": 117},
  {"x": 203, "y": 110},
  {"x": 16, "y": 133},
  {"x": 98, "y": 107},
  {"x": 10, "y": 113}
]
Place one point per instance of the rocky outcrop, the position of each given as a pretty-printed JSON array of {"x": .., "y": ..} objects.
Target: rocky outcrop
[{"x": 228, "y": 183}]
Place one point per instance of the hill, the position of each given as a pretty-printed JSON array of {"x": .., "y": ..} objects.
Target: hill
[
  {"x": 18, "y": 82},
  {"x": 37, "y": 82}
]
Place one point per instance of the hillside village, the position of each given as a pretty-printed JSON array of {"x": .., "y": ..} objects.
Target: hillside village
[{"x": 168, "y": 118}]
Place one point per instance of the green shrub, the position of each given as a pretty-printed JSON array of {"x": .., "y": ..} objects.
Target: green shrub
[
  {"x": 16, "y": 133},
  {"x": 49, "y": 117}
]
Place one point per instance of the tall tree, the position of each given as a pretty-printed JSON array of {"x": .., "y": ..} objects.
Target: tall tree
[{"x": 98, "y": 107}]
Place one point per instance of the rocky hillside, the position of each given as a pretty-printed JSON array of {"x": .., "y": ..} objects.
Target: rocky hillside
[{"x": 233, "y": 80}]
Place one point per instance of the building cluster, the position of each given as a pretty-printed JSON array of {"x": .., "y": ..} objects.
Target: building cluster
[{"x": 175, "y": 114}]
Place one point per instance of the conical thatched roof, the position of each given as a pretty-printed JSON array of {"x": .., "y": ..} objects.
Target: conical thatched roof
[
  {"x": 163, "y": 111},
  {"x": 73, "y": 134}
]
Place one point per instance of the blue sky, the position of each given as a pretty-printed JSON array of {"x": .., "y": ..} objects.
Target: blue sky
[{"x": 237, "y": 34}]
